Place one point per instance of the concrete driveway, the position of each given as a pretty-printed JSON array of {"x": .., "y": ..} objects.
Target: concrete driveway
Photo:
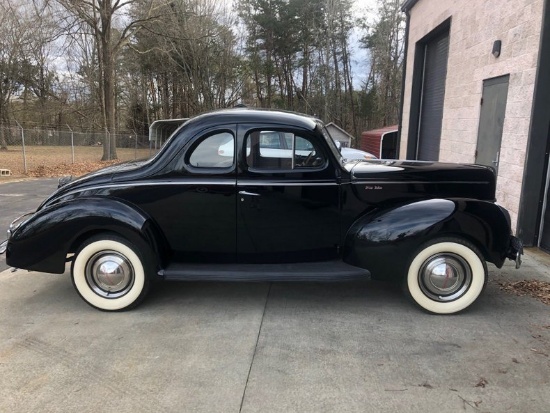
[{"x": 268, "y": 347}]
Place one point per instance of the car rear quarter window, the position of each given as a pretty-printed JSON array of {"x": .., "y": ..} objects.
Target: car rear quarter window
[{"x": 214, "y": 151}]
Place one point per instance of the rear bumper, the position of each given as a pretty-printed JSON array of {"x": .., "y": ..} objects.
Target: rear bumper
[{"x": 515, "y": 250}]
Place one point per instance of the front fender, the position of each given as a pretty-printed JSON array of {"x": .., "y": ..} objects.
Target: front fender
[
  {"x": 42, "y": 242},
  {"x": 385, "y": 240}
]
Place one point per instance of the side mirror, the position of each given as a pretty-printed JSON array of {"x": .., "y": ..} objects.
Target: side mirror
[{"x": 338, "y": 145}]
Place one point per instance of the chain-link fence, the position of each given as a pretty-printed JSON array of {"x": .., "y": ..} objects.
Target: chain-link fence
[{"x": 24, "y": 150}]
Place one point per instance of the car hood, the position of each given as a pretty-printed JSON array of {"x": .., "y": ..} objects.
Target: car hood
[
  {"x": 390, "y": 169},
  {"x": 430, "y": 178}
]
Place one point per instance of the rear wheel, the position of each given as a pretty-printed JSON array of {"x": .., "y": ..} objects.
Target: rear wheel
[
  {"x": 446, "y": 276},
  {"x": 109, "y": 273}
]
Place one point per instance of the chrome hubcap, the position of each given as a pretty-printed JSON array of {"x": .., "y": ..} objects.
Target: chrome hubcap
[
  {"x": 109, "y": 274},
  {"x": 445, "y": 277}
]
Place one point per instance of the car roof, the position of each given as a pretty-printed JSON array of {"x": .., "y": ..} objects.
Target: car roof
[{"x": 246, "y": 115}]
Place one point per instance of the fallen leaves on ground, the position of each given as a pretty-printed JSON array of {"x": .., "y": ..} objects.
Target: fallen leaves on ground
[
  {"x": 49, "y": 161},
  {"x": 472, "y": 403},
  {"x": 534, "y": 288},
  {"x": 537, "y": 351},
  {"x": 75, "y": 169},
  {"x": 482, "y": 383}
]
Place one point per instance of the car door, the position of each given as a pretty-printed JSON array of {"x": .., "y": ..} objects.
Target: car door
[
  {"x": 287, "y": 197},
  {"x": 194, "y": 203}
]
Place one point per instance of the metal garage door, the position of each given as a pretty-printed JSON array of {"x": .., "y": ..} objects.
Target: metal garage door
[
  {"x": 436, "y": 53},
  {"x": 544, "y": 240}
]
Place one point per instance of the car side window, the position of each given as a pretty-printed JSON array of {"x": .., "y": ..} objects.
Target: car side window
[
  {"x": 214, "y": 151},
  {"x": 275, "y": 150}
]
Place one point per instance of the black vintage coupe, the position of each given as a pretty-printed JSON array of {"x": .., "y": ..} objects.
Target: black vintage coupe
[{"x": 226, "y": 200}]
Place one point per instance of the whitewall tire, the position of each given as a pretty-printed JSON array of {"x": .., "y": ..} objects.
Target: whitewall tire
[
  {"x": 109, "y": 273},
  {"x": 446, "y": 276}
]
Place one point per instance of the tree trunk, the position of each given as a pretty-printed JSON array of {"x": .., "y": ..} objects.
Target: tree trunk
[
  {"x": 3, "y": 126},
  {"x": 108, "y": 58},
  {"x": 109, "y": 148}
]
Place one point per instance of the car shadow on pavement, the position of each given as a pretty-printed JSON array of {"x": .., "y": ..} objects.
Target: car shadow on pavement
[
  {"x": 307, "y": 294},
  {"x": 354, "y": 296}
]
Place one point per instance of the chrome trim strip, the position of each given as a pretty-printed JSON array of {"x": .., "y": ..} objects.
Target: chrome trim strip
[
  {"x": 248, "y": 182},
  {"x": 139, "y": 184},
  {"x": 416, "y": 182},
  {"x": 228, "y": 182},
  {"x": 279, "y": 183}
]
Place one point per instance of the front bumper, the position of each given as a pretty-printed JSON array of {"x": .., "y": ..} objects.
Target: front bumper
[{"x": 515, "y": 251}]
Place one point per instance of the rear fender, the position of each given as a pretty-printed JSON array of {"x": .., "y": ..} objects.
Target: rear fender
[
  {"x": 385, "y": 240},
  {"x": 42, "y": 242}
]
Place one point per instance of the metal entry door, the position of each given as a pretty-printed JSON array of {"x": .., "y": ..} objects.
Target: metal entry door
[{"x": 491, "y": 121}]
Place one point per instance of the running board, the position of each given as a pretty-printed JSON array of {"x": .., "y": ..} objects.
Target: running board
[{"x": 308, "y": 271}]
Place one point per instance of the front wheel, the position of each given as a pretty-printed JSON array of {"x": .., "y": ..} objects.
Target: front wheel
[
  {"x": 109, "y": 273},
  {"x": 446, "y": 276}
]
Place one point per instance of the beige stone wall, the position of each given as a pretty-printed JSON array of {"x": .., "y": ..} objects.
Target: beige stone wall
[{"x": 475, "y": 25}]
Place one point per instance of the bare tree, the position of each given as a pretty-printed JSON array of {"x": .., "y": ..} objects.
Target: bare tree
[
  {"x": 384, "y": 40},
  {"x": 188, "y": 57},
  {"x": 112, "y": 26},
  {"x": 38, "y": 71},
  {"x": 15, "y": 36},
  {"x": 129, "y": 62}
]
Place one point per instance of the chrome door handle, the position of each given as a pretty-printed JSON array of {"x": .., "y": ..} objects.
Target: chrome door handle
[{"x": 248, "y": 193}]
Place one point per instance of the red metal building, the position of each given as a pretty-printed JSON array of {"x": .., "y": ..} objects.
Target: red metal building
[{"x": 380, "y": 142}]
